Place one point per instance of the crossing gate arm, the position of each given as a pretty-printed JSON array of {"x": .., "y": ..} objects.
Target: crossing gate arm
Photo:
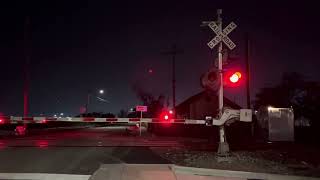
[
  {"x": 244, "y": 115},
  {"x": 192, "y": 121}
]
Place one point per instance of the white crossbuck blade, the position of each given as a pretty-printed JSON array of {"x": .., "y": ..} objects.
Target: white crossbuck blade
[{"x": 222, "y": 36}]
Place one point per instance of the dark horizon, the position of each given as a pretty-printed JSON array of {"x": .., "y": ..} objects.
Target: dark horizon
[{"x": 79, "y": 46}]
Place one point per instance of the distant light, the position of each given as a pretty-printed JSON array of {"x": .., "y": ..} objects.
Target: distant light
[
  {"x": 1, "y": 121},
  {"x": 55, "y": 115},
  {"x": 61, "y": 114},
  {"x": 166, "y": 117},
  {"x": 170, "y": 112},
  {"x": 101, "y": 91},
  {"x": 43, "y": 121},
  {"x": 270, "y": 108},
  {"x": 150, "y": 71}
]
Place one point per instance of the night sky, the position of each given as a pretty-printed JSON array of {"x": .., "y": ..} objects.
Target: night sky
[{"x": 76, "y": 46}]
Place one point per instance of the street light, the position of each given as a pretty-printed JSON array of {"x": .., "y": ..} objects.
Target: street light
[{"x": 101, "y": 91}]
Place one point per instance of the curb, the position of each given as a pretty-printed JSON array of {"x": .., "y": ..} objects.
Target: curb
[
  {"x": 236, "y": 174},
  {"x": 43, "y": 176}
]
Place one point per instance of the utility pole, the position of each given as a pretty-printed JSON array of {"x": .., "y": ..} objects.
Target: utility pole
[
  {"x": 88, "y": 102},
  {"x": 26, "y": 81},
  {"x": 174, "y": 51},
  {"x": 247, "y": 54},
  {"x": 26, "y": 74}
]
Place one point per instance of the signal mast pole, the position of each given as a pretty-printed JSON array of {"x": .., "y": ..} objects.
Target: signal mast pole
[{"x": 223, "y": 149}]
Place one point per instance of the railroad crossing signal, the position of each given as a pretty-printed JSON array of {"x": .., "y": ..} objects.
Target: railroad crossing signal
[{"x": 222, "y": 36}]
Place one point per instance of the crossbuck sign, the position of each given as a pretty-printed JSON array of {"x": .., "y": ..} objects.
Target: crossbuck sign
[{"x": 222, "y": 36}]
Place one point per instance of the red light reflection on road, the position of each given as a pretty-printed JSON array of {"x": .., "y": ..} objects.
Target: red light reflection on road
[
  {"x": 2, "y": 145},
  {"x": 44, "y": 121},
  {"x": 42, "y": 143}
]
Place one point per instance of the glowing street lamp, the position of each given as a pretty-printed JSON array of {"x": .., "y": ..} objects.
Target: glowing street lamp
[{"x": 101, "y": 91}]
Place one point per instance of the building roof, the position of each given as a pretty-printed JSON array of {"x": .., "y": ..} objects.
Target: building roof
[{"x": 185, "y": 104}]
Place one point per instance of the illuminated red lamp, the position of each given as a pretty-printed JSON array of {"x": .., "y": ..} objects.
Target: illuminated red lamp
[
  {"x": 232, "y": 78},
  {"x": 165, "y": 116},
  {"x": 235, "y": 77}
]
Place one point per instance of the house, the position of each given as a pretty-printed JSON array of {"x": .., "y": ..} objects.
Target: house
[{"x": 201, "y": 105}]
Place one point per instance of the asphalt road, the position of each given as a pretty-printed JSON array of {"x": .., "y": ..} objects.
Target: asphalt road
[{"x": 82, "y": 150}]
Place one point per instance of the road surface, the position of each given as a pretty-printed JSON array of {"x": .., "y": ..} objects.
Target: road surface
[{"x": 82, "y": 150}]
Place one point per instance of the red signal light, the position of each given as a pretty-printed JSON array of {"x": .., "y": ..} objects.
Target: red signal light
[
  {"x": 235, "y": 77},
  {"x": 165, "y": 116},
  {"x": 232, "y": 78},
  {"x": 1, "y": 121}
]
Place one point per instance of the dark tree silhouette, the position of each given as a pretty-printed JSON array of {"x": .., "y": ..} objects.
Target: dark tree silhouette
[
  {"x": 97, "y": 115},
  {"x": 296, "y": 92},
  {"x": 123, "y": 113},
  {"x": 155, "y": 105}
]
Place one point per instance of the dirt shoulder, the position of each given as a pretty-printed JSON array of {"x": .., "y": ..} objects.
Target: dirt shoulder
[{"x": 285, "y": 160}]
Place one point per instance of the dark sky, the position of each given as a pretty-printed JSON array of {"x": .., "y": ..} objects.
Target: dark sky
[{"x": 77, "y": 46}]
